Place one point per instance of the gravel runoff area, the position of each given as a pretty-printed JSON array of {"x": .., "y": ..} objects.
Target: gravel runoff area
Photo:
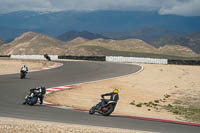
[
  {"x": 11, "y": 125},
  {"x": 145, "y": 94}
]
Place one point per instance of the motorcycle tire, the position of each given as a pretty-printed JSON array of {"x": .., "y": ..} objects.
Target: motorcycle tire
[
  {"x": 92, "y": 110},
  {"x": 23, "y": 102},
  {"x": 109, "y": 111},
  {"x": 22, "y": 76},
  {"x": 33, "y": 101},
  {"x": 30, "y": 103}
]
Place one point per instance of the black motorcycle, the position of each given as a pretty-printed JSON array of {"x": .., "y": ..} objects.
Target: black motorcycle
[
  {"x": 47, "y": 57},
  {"x": 33, "y": 96},
  {"x": 23, "y": 74},
  {"x": 104, "y": 107}
]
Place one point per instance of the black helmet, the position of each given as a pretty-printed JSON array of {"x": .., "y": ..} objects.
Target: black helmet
[
  {"x": 43, "y": 90},
  {"x": 43, "y": 87}
]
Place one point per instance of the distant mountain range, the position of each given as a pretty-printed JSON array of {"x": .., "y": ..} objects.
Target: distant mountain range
[
  {"x": 191, "y": 40},
  {"x": 155, "y": 37},
  {"x": 2, "y": 42},
  {"x": 68, "y": 36},
  {"x": 106, "y": 22},
  {"x": 34, "y": 43},
  {"x": 147, "y": 34},
  {"x": 65, "y": 27}
]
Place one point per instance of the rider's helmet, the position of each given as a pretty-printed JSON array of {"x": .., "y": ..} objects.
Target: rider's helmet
[
  {"x": 24, "y": 66},
  {"x": 43, "y": 89},
  {"x": 115, "y": 91}
]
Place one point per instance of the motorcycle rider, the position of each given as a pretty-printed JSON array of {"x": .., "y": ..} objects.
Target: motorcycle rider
[
  {"x": 47, "y": 57},
  {"x": 24, "y": 69},
  {"x": 114, "y": 96},
  {"x": 106, "y": 106},
  {"x": 39, "y": 92}
]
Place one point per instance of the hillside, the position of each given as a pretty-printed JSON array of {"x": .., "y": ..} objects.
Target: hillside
[
  {"x": 176, "y": 50},
  {"x": 32, "y": 43},
  {"x": 192, "y": 41},
  {"x": 129, "y": 47},
  {"x": 134, "y": 45},
  {"x": 68, "y": 36}
]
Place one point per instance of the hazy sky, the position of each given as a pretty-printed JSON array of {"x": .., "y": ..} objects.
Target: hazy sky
[{"x": 178, "y": 7}]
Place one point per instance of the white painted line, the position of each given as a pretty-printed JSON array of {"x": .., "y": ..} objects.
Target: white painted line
[{"x": 142, "y": 68}]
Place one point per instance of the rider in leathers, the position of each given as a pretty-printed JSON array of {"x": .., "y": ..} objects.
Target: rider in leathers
[
  {"x": 114, "y": 96},
  {"x": 24, "y": 69},
  {"x": 39, "y": 91}
]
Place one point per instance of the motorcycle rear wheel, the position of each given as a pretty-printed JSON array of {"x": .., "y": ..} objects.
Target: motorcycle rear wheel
[
  {"x": 109, "y": 110},
  {"x": 22, "y": 76},
  {"x": 33, "y": 101}
]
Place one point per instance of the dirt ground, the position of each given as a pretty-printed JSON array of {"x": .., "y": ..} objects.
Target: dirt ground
[
  {"x": 10, "y": 125},
  {"x": 154, "y": 83},
  {"x": 10, "y": 66}
]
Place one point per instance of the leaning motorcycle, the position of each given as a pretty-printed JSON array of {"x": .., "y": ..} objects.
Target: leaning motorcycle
[
  {"x": 104, "y": 108},
  {"x": 47, "y": 57},
  {"x": 30, "y": 100},
  {"x": 23, "y": 74}
]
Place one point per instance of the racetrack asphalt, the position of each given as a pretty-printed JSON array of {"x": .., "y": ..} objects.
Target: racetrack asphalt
[{"x": 13, "y": 90}]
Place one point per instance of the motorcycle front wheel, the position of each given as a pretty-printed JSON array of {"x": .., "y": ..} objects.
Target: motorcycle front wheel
[{"x": 92, "y": 110}]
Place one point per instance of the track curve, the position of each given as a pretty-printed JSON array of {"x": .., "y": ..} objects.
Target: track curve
[{"x": 13, "y": 90}]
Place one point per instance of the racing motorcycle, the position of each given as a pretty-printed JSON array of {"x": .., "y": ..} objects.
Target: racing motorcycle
[
  {"x": 31, "y": 99},
  {"x": 104, "y": 107},
  {"x": 23, "y": 74},
  {"x": 47, "y": 57}
]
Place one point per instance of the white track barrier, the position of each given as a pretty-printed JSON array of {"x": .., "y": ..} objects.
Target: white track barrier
[
  {"x": 136, "y": 60},
  {"x": 38, "y": 57}
]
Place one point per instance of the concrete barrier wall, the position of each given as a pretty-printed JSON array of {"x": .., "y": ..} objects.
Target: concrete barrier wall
[
  {"x": 38, "y": 57},
  {"x": 136, "y": 60}
]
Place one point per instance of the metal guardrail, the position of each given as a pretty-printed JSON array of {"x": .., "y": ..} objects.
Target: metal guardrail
[
  {"x": 92, "y": 58},
  {"x": 184, "y": 62}
]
